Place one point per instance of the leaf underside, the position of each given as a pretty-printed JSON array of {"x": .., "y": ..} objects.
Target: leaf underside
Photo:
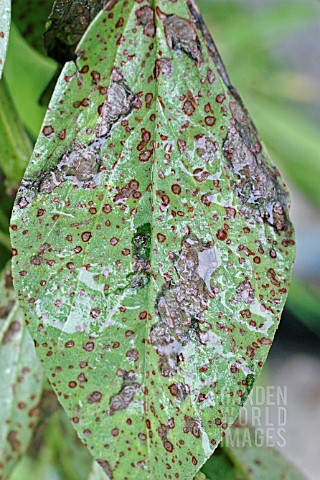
[
  {"x": 21, "y": 380},
  {"x": 5, "y": 14},
  {"x": 152, "y": 243}
]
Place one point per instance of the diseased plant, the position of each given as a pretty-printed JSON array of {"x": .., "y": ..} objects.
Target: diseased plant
[{"x": 152, "y": 249}]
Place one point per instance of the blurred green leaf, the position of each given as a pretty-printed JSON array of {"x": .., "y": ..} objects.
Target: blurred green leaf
[
  {"x": 219, "y": 466},
  {"x": 240, "y": 458},
  {"x": 5, "y": 14},
  {"x": 293, "y": 141},
  {"x": 20, "y": 379},
  {"x": 57, "y": 454},
  {"x": 304, "y": 302},
  {"x": 30, "y": 17},
  {"x": 27, "y": 74},
  {"x": 15, "y": 145}
]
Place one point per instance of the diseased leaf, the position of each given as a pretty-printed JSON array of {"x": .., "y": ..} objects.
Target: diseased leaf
[
  {"x": 152, "y": 241},
  {"x": 21, "y": 380},
  {"x": 66, "y": 25},
  {"x": 30, "y": 17},
  {"x": 5, "y": 15}
]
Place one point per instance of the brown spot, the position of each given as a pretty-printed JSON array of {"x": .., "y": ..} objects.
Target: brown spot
[
  {"x": 163, "y": 67},
  {"x": 86, "y": 236},
  {"x": 146, "y": 18},
  {"x": 200, "y": 175},
  {"x": 94, "y": 397},
  {"x": 48, "y": 130},
  {"x": 181, "y": 35}
]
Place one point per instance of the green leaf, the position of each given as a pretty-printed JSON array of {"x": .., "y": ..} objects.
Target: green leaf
[
  {"x": 239, "y": 458},
  {"x": 26, "y": 89},
  {"x": 304, "y": 302},
  {"x": 56, "y": 452},
  {"x": 30, "y": 17},
  {"x": 157, "y": 247},
  {"x": 21, "y": 380},
  {"x": 256, "y": 462},
  {"x": 5, "y": 14},
  {"x": 15, "y": 145},
  {"x": 220, "y": 466}
]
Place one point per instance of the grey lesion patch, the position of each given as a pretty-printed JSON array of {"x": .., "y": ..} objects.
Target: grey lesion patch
[
  {"x": 182, "y": 304},
  {"x": 181, "y": 35},
  {"x": 141, "y": 249},
  {"x": 82, "y": 164},
  {"x": 6, "y": 309},
  {"x": 145, "y": 17},
  {"x": 257, "y": 183},
  {"x": 245, "y": 293},
  {"x": 119, "y": 104},
  {"x": 124, "y": 398}
]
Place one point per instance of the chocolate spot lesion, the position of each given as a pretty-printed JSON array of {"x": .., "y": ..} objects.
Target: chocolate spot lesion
[
  {"x": 141, "y": 253},
  {"x": 119, "y": 104},
  {"x": 181, "y": 35},
  {"x": 141, "y": 250},
  {"x": 182, "y": 304},
  {"x": 257, "y": 184},
  {"x": 82, "y": 164},
  {"x": 145, "y": 16},
  {"x": 125, "y": 397}
]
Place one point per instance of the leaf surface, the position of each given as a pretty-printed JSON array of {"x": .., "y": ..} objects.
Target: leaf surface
[
  {"x": 21, "y": 379},
  {"x": 5, "y": 15},
  {"x": 152, "y": 243}
]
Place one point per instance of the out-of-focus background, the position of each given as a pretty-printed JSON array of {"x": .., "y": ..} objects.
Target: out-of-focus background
[{"x": 271, "y": 49}]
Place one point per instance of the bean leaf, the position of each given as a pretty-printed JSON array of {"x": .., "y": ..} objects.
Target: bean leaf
[
  {"x": 245, "y": 458},
  {"x": 152, "y": 242},
  {"x": 21, "y": 379},
  {"x": 5, "y": 15}
]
